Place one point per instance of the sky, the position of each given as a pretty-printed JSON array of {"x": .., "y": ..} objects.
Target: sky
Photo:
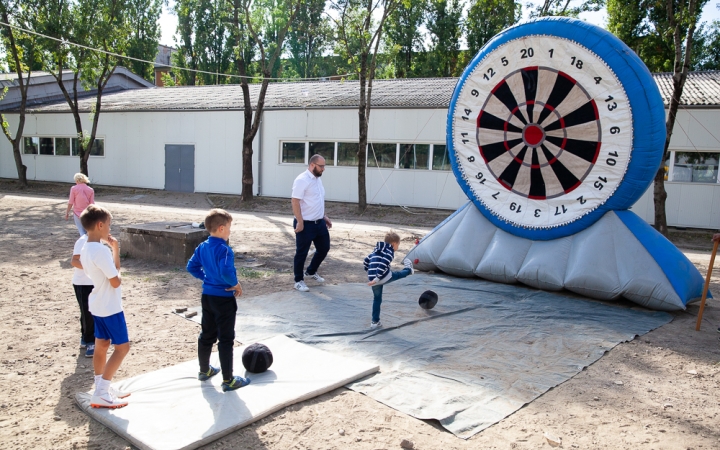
[{"x": 168, "y": 21}]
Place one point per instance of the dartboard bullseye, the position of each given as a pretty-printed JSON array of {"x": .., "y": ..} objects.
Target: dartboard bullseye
[{"x": 541, "y": 129}]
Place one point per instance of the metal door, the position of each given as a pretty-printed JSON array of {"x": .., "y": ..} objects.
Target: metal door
[{"x": 180, "y": 168}]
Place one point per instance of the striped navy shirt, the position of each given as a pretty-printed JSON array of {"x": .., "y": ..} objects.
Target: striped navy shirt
[{"x": 377, "y": 263}]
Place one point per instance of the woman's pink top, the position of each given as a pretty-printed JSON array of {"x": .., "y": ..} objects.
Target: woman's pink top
[{"x": 81, "y": 195}]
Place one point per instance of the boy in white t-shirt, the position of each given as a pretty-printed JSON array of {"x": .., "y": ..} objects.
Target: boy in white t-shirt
[
  {"x": 82, "y": 284},
  {"x": 105, "y": 304}
]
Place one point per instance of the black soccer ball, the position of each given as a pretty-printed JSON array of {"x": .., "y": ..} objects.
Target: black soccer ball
[
  {"x": 428, "y": 300},
  {"x": 257, "y": 358}
]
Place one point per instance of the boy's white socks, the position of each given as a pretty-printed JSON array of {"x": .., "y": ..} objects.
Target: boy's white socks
[
  {"x": 97, "y": 380},
  {"x": 101, "y": 387}
]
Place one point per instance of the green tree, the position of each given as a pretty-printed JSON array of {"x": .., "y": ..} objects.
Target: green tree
[
  {"x": 708, "y": 56},
  {"x": 486, "y": 18},
  {"x": 445, "y": 24},
  {"x": 359, "y": 27},
  {"x": 100, "y": 27},
  {"x": 563, "y": 8},
  {"x": 204, "y": 41},
  {"x": 261, "y": 24},
  {"x": 309, "y": 35},
  {"x": 404, "y": 38},
  {"x": 143, "y": 17},
  {"x": 662, "y": 33},
  {"x": 21, "y": 56}
]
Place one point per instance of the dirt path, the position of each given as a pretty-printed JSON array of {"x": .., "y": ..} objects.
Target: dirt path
[{"x": 670, "y": 377}]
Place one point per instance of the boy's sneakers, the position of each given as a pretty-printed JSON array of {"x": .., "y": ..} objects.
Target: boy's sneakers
[
  {"x": 236, "y": 383},
  {"x": 374, "y": 325},
  {"x": 212, "y": 371},
  {"x": 117, "y": 393},
  {"x": 107, "y": 400},
  {"x": 315, "y": 277},
  {"x": 408, "y": 265},
  {"x": 301, "y": 286},
  {"x": 89, "y": 351},
  {"x": 83, "y": 344}
]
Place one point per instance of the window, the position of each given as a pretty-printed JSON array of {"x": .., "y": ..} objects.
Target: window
[
  {"x": 414, "y": 156},
  {"x": 441, "y": 160},
  {"x": 324, "y": 149},
  {"x": 31, "y": 145},
  {"x": 347, "y": 154},
  {"x": 62, "y": 146},
  {"x": 696, "y": 167},
  {"x": 293, "y": 152},
  {"x": 98, "y": 148},
  {"x": 381, "y": 155},
  {"x": 47, "y": 146}
]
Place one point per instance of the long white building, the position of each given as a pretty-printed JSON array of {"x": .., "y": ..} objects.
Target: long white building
[{"x": 190, "y": 139}]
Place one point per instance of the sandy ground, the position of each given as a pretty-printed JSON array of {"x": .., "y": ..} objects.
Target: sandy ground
[{"x": 669, "y": 397}]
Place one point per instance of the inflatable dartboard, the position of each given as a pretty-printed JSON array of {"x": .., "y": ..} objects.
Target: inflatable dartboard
[{"x": 552, "y": 124}]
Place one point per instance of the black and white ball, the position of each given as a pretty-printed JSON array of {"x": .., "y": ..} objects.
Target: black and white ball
[
  {"x": 257, "y": 358},
  {"x": 428, "y": 300}
]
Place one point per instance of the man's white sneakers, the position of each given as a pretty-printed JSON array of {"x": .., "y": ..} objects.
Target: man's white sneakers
[
  {"x": 301, "y": 286},
  {"x": 315, "y": 277},
  {"x": 107, "y": 400}
]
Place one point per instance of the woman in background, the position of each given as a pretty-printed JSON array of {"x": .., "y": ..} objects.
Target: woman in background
[{"x": 81, "y": 195}]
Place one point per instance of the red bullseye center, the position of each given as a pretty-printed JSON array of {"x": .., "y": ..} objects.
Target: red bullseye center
[{"x": 533, "y": 135}]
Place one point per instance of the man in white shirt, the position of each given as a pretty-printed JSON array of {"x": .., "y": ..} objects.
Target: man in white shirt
[{"x": 311, "y": 224}]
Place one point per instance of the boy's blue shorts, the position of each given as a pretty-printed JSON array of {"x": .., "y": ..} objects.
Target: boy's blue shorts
[{"x": 112, "y": 328}]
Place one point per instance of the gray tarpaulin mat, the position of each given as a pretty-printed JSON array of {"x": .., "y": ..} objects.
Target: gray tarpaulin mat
[
  {"x": 484, "y": 351},
  {"x": 170, "y": 409}
]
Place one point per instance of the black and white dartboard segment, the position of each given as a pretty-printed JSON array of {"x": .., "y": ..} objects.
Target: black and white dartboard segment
[{"x": 543, "y": 150}]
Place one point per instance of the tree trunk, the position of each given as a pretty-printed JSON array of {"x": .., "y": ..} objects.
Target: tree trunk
[
  {"x": 363, "y": 131},
  {"x": 681, "y": 68},
  {"x": 21, "y": 168},
  {"x": 24, "y": 86}
]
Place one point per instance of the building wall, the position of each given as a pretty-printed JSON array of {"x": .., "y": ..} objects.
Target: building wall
[
  {"x": 406, "y": 187},
  {"x": 135, "y": 149},
  {"x": 134, "y": 156}
]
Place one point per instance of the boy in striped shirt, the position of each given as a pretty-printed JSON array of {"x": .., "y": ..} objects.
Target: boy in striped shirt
[{"x": 377, "y": 266}]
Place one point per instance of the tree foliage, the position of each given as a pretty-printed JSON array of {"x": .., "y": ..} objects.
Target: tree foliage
[
  {"x": 309, "y": 36},
  {"x": 445, "y": 25},
  {"x": 143, "y": 22},
  {"x": 404, "y": 38},
  {"x": 486, "y": 18}
]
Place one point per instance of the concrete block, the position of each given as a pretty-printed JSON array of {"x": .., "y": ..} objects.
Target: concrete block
[{"x": 170, "y": 242}]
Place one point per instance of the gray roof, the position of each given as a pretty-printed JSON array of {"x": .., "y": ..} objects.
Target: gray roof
[{"x": 701, "y": 89}]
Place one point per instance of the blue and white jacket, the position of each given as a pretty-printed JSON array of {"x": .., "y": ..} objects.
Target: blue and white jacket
[{"x": 377, "y": 263}]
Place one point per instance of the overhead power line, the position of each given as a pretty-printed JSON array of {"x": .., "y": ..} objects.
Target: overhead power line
[{"x": 117, "y": 55}]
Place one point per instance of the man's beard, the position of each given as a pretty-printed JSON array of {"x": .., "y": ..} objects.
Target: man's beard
[{"x": 316, "y": 172}]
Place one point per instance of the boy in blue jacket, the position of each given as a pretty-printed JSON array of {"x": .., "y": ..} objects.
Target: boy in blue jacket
[
  {"x": 214, "y": 263},
  {"x": 377, "y": 266}
]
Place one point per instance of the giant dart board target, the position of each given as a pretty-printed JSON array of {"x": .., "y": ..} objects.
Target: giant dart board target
[{"x": 552, "y": 124}]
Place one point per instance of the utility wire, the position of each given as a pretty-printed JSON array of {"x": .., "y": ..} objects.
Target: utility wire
[{"x": 117, "y": 55}]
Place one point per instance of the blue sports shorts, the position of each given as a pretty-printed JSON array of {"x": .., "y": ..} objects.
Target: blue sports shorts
[{"x": 112, "y": 328}]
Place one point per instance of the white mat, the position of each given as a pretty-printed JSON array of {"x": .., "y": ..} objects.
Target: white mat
[{"x": 171, "y": 409}]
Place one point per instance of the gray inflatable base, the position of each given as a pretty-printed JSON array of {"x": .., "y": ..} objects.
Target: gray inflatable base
[{"x": 605, "y": 261}]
